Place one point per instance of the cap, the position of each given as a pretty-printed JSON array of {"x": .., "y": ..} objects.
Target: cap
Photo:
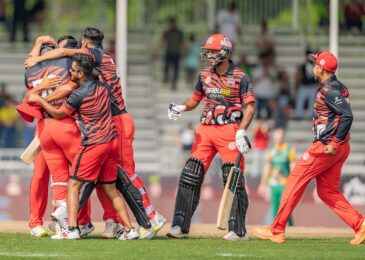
[
  {"x": 48, "y": 45},
  {"x": 326, "y": 60}
]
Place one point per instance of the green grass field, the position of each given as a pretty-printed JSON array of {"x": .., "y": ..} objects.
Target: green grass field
[
  {"x": 205, "y": 243},
  {"x": 24, "y": 246}
]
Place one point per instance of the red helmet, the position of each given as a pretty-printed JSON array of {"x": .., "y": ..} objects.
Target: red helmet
[{"x": 220, "y": 43}]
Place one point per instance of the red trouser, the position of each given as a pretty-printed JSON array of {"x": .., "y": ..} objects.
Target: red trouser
[
  {"x": 59, "y": 149},
  {"x": 126, "y": 129},
  {"x": 38, "y": 196},
  {"x": 327, "y": 171},
  {"x": 210, "y": 139}
]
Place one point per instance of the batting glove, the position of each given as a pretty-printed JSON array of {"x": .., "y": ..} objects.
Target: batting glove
[
  {"x": 175, "y": 111},
  {"x": 242, "y": 142}
]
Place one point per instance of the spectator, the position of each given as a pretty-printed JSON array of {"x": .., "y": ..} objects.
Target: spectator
[
  {"x": 354, "y": 11},
  {"x": 186, "y": 139},
  {"x": 192, "y": 59},
  {"x": 173, "y": 39},
  {"x": 265, "y": 78},
  {"x": 306, "y": 87},
  {"x": 37, "y": 14},
  {"x": 265, "y": 42},
  {"x": 279, "y": 162},
  {"x": 282, "y": 103},
  {"x": 8, "y": 119},
  {"x": 245, "y": 65},
  {"x": 229, "y": 23},
  {"x": 3, "y": 14},
  {"x": 20, "y": 16},
  {"x": 259, "y": 145}
]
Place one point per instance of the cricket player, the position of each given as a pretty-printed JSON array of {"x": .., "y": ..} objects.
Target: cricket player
[
  {"x": 98, "y": 156},
  {"x": 92, "y": 44},
  {"x": 226, "y": 90},
  {"x": 323, "y": 160},
  {"x": 58, "y": 147},
  {"x": 279, "y": 162}
]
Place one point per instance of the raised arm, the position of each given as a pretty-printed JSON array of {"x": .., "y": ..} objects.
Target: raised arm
[{"x": 61, "y": 92}]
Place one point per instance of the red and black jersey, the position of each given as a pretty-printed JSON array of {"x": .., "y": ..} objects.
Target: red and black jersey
[
  {"x": 332, "y": 115},
  {"x": 58, "y": 67},
  {"x": 223, "y": 95},
  {"x": 91, "y": 105},
  {"x": 110, "y": 75}
]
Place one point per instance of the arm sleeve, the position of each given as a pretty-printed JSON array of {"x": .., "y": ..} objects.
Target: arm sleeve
[
  {"x": 341, "y": 107},
  {"x": 72, "y": 103},
  {"x": 246, "y": 90},
  {"x": 198, "y": 91}
]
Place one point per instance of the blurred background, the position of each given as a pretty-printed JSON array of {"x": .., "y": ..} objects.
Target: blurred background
[{"x": 271, "y": 41}]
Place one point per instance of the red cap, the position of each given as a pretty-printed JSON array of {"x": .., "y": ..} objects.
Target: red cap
[
  {"x": 29, "y": 112},
  {"x": 326, "y": 60}
]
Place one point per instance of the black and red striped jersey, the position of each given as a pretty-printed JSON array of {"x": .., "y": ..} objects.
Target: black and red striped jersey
[
  {"x": 58, "y": 67},
  {"x": 332, "y": 115},
  {"x": 223, "y": 95},
  {"x": 110, "y": 75},
  {"x": 90, "y": 104}
]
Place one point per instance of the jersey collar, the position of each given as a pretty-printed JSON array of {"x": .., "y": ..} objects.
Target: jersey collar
[
  {"x": 327, "y": 81},
  {"x": 228, "y": 71}
]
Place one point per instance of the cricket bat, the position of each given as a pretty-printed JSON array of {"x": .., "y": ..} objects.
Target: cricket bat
[
  {"x": 225, "y": 205},
  {"x": 31, "y": 152}
]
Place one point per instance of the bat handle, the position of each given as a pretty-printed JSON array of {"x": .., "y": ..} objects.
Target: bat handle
[{"x": 238, "y": 160}]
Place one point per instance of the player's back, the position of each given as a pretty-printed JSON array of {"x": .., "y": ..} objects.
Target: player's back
[
  {"x": 109, "y": 73},
  {"x": 93, "y": 113}
]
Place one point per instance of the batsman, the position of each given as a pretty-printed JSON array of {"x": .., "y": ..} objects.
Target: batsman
[{"x": 226, "y": 91}]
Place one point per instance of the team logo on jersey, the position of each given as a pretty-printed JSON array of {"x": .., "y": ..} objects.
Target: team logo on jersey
[
  {"x": 338, "y": 101},
  {"x": 230, "y": 80},
  {"x": 305, "y": 156},
  {"x": 232, "y": 146},
  {"x": 222, "y": 91}
]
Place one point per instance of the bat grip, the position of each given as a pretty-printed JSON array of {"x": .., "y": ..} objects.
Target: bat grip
[{"x": 238, "y": 160}]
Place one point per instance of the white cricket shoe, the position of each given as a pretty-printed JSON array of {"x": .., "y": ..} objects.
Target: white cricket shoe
[
  {"x": 38, "y": 231},
  {"x": 60, "y": 216},
  {"x": 158, "y": 221},
  {"x": 111, "y": 229},
  {"x": 86, "y": 229},
  {"x": 129, "y": 235},
  {"x": 232, "y": 236},
  {"x": 145, "y": 233},
  {"x": 52, "y": 226},
  {"x": 66, "y": 234},
  {"x": 175, "y": 232}
]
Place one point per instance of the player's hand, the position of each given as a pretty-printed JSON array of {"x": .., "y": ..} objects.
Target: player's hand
[
  {"x": 329, "y": 150},
  {"x": 175, "y": 111},
  {"x": 33, "y": 98},
  {"x": 49, "y": 82},
  {"x": 263, "y": 191},
  {"x": 46, "y": 39},
  {"x": 242, "y": 142},
  {"x": 30, "y": 62}
]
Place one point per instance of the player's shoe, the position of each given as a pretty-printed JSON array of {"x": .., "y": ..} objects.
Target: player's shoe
[
  {"x": 145, "y": 233},
  {"x": 38, "y": 231},
  {"x": 67, "y": 234},
  {"x": 86, "y": 229},
  {"x": 359, "y": 236},
  {"x": 52, "y": 226},
  {"x": 232, "y": 236},
  {"x": 158, "y": 221},
  {"x": 266, "y": 234},
  {"x": 129, "y": 235},
  {"x": 111, "y": 229},
  {"x": 175, "y": 232},
  {"x": 60, "y": 216}
]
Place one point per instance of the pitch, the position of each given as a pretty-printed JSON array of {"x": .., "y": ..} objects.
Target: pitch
[{"x": 205, "y": 242}]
